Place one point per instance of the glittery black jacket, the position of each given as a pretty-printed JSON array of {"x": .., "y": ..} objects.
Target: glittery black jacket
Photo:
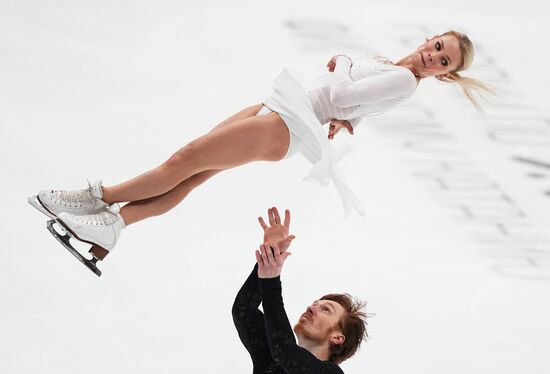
[{"x": 268, "y": 336}]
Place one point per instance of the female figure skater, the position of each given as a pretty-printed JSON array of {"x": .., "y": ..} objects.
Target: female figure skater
[{"x": 287, "y": 122}]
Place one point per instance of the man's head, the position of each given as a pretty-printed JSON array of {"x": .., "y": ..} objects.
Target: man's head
[{"x": 336, "y": 320}]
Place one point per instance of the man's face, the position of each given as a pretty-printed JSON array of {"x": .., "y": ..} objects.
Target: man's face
[{"x": 320, "y": 322}]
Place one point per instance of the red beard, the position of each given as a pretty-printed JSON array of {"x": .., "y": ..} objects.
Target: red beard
[{"x": 306, "y": 331}]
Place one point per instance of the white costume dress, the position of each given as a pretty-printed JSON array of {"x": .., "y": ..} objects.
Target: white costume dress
[{"x": 368, "y": 87}]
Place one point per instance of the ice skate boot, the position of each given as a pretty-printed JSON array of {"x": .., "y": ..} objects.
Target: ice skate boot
[
  {"x": 101, "y": 230},
  {"x": 79, "y": 202}
]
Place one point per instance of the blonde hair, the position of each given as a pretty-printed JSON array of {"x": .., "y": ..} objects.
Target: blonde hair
[{"x": 467, "y": 84}]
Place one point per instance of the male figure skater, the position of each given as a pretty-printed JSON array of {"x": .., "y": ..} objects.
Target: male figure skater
[{"x": 329, "y": 331}]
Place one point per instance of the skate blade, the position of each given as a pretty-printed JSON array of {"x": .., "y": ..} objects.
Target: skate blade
[
  {"x": 64, "y": 240},
  {"x": 35, "y": 202}
]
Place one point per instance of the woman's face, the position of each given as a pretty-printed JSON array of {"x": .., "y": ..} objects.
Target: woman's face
[{"x": 437, "y": 56}]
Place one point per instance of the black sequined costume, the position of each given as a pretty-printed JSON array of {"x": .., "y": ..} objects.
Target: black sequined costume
[{"x": 268, "y": 336}]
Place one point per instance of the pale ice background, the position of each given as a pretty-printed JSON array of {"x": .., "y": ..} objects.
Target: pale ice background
[{"x": 109, "y": 89}]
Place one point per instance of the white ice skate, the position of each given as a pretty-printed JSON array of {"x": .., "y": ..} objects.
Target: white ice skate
[
  {"x": 79, "y": 202},
  {"x": 101, "y": 229}
]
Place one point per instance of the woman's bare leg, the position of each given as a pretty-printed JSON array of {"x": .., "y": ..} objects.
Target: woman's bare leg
[
  {"x": 154, "y": 206},
  {"x": 258, "y": 138},
  {"x": 251, "y": 111},
  {"x": 245, "y": 113},
  {"x": 141, "y": 209}
]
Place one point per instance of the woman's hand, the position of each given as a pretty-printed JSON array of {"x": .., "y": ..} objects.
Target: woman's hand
[
  {"x": 270, "y": 261},
  {"x": 276, "y": 234},
  {"x": 332, "y": 63},
  {"x": 337, "y": 125}
]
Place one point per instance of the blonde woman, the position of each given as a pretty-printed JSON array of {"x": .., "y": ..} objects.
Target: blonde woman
[{"x": 288, "y": 122}]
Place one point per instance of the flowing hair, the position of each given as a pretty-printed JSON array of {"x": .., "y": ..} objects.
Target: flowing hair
[
  {"x": 468, "y": 85},
  {"x": 353, "y": 326}
]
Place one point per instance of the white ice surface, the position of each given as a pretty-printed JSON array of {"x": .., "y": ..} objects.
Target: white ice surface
[{"x": 110, "y": 89}]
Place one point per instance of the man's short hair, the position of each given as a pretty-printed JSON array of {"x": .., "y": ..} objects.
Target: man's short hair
[{"x": 353, "y": 326}]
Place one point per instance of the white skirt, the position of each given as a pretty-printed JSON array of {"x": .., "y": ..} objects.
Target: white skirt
[{"x": 291, "y": 102}]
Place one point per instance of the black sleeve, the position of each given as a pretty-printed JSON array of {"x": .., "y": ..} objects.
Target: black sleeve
[
  {"x": 282, "y": 344},
  {"x": 249, "y": 322}
]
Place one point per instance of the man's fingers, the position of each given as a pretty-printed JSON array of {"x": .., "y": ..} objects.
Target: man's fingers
[
  {"x": 262, "y": 223},
  {"x": 286, "y": 243},
  {"x": 281, "y": 257},
  {"x": 276, "y": 254},
  {"x": 259, "y": 258},
  {"x": 289, "y": 239},
  {"x": 271, "y": 217},
  {"x": 269, "y": 254},
  {"x": 287, "y": 218},
  {"x": 264, "y": 255},
  {"x": 276, "y": 216},
  {"x": 349, "y": 127}
]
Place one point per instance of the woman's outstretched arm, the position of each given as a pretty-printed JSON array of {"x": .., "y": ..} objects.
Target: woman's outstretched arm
[{"x": 344, "y": 92}]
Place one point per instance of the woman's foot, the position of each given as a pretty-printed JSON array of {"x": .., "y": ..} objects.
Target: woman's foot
[
  {"x": 78, "y": 202},
  {"x": 101, "y": 229}
]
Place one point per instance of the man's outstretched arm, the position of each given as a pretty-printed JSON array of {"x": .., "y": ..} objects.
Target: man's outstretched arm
[
  {"x": 249, "y": 322},
  {"x": 282, "y": 343}
]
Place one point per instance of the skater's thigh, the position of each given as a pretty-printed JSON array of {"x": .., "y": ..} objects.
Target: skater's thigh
[
  {"x": 251, "y": 111},
  {"x": 256, "y": 138}
]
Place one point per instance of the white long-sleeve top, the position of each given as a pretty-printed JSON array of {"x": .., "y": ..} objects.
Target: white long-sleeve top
[{"x": 367, "y": 87}]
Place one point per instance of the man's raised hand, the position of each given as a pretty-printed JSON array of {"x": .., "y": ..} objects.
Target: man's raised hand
[
  {"x": 276, "y": 234},
  {"x": 270, "y": 260}
]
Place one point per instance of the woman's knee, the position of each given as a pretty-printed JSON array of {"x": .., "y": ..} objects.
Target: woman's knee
[{"x": 183, "y": 159}]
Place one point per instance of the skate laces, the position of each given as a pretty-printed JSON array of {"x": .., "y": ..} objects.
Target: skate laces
[
  {"x": 74, "y": 198},
  {"x": 104, "y": 218},
  {"x": 77, "y": 198}
]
